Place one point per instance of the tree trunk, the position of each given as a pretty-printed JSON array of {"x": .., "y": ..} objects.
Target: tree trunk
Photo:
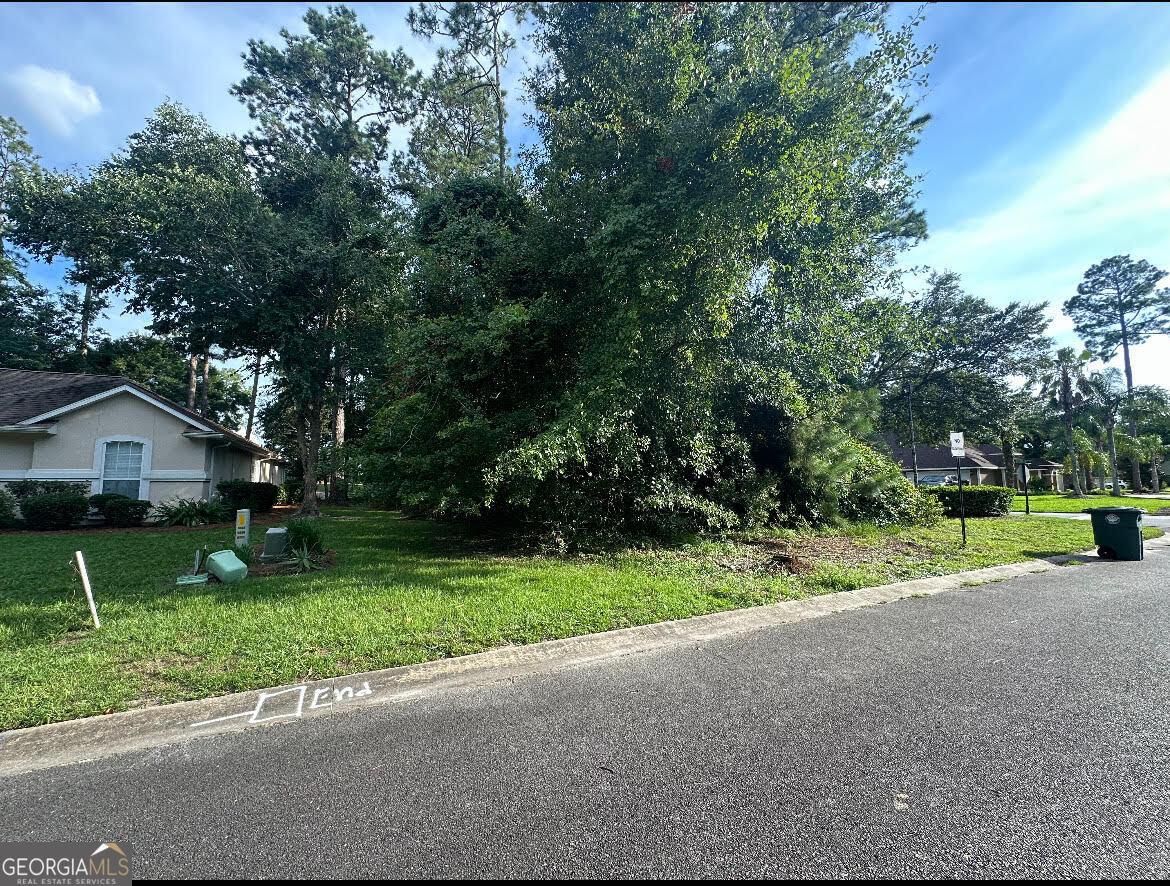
[
  {"x": 337, "y": 487},
  {"x": 252, "y": 402},
  {"x": 1112, "y": 459},
  {"x": 499, "y": 102},
  {"x": 86, "y": 311},
  {"x": 192, "y": 369},
  {"x": 1154, "y": 484},
  {"x": 1074, "y": 468},
  {"x": 309, "y": 438},
  {"x": 1009, "y": 462},
  {"x": 204, "y": 408}
]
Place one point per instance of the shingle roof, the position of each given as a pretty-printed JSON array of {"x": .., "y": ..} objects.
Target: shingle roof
[
  {"x": 939, "y": 457},
  {"x": 27, "y": 393}
]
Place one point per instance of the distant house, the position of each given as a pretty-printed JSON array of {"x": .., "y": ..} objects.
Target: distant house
[
  {"x": 981, "y": 465},
  {"x": 118, "y": 436}
]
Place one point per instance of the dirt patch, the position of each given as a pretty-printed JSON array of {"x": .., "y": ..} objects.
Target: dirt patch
[{"x": 799, "y": 556}]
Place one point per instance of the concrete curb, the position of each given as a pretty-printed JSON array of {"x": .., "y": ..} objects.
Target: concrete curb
[{"x": 94, "y": 738}]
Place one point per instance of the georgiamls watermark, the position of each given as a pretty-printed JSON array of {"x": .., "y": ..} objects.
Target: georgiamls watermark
[{"x": 64, "y": 864}]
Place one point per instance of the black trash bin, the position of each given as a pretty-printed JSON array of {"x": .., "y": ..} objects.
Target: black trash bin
[{"x": 1117, "y": 532}]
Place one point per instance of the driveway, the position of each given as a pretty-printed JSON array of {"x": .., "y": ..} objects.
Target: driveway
[{"x": 1017, "y": 728}]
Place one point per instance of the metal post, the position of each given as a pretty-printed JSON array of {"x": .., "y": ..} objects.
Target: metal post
[
  {"x": 962, "y": 506},
  {"x": 1027, "y": 499},
  {"x": 913, "y": 442}
]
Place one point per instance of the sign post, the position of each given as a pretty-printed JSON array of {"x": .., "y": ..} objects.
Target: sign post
[
  {"x": 958, "y": 450},
  {"x": 243, "y": 528},
  {"x": 1027, "y": 500}
]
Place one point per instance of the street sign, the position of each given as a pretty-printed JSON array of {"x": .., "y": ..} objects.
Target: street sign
[{"x": 958, "y": 450}]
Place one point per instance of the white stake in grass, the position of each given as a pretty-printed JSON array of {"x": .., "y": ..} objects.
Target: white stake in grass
[{"x": 88, "y": 590}]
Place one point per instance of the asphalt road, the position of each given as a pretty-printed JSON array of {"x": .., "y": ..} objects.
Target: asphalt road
[{"x": 1019, "y": 728}]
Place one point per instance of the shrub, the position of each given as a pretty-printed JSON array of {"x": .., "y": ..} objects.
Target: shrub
[
  {"x": 56, "y": 510},
  {"x": 244, "y": 553},
  {"x": 123, "y": 512},
  {"x": 259, "y": 497},
  {"x": 1040, "y": 484},
  {"x": 192, "y": 512},
  {"x": 877, "y": 492},
  {"x": 23, "y": 489},
  {"x": 98, "y": 502},
  {"x": 306, "y": 533},
  {"x": 979, "y": 501},
  {"x": 7, "y": 509}
]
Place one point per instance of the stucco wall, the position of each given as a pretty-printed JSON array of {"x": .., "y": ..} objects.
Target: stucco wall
[{"x": 15, "y": 454}]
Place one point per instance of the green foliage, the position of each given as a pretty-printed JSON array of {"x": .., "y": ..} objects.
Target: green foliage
[
  {"x": 98, "y": 502},
  {"x": 978, "y": 501},
  {"x": 244, "y": 553},
  {"x": 655, "y": 336},
  {"x": 54, "y": 510},
  {"x": 124, "y": 512},
  {"x": 24, "y": 489},
  {"x": 192, "y": 512},
  {"x": 306, "y": 533},
  {"x": 1117, "y": 305},
  {"x": 239, "y": 494},
  {"x": 877, "y": 492},
  {"x": 7, "y": 509},
  {"x": 160, "y": 364},
  {"x": 1040, "y": 484}
]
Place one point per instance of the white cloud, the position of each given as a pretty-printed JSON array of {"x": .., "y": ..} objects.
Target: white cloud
[
  {"x": 53, "y": 96},
  {"x": 1107, "y": 194}
]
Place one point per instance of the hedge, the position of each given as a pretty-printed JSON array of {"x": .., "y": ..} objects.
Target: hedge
[
  {"x": 978, "y": 501},
  {"x": 57, "y": 510},
  {"x": 23, "y": 489},
  {"x": 125, "y": 512},
  {"x": 238, "y": 494},
  {"x": 7, "y": 509}
]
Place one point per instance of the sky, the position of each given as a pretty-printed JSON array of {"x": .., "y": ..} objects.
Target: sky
[{"x": 1049, "y": 147}]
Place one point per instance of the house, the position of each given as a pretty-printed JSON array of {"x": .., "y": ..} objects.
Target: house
[
  {"x": 119, "y": 436},
  {"x": 981, "y": 465}
]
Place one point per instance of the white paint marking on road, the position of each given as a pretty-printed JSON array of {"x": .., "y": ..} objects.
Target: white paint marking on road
[{"x": 319, "y": 699}]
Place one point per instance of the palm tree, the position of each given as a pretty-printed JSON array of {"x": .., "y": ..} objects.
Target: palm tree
[
  {"x": 1107, "y": 394},
  {"x": 1062, "y": 378}
]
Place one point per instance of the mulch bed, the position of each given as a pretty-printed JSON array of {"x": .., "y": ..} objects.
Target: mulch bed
[{"x": 278, "y": 514}]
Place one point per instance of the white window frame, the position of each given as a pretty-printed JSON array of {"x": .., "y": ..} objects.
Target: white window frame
[{"x": 99, "y": 462}]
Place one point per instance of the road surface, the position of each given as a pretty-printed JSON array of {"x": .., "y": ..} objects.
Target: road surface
[{"x": 1019, "y": 728}]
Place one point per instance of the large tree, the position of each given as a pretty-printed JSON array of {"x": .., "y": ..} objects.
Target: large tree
[
  {"x": 1107, "y": 396},
  {"x": 658, "y": 332},
  {"x": 324, "y": 104},
  {"x": 483, "y": 45},
  {"x": 1118, "y": 305},
  {"x": 954, "y": 356},
  {"x": 1063, "y": 379}
]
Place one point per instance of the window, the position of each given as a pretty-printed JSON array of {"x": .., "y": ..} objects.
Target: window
[{"x": 122, "y": 468}]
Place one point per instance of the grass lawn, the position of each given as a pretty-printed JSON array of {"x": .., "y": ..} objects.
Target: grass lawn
[
  {"x": 1063, "y": 504},
  {"x": 402, "y": 591}
]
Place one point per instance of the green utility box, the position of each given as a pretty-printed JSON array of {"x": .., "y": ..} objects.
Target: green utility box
[
  {"x": 1117, "y": 532},
  {"x": 226, "y": 566}
]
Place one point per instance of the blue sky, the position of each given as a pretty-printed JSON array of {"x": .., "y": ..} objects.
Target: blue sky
[{"x": 1049, "y": 148}]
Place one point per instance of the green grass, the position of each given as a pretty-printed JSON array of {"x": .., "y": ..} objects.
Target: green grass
[
  {"x": 402, "y": 592},
  {"x": 1063, "y": 504}
]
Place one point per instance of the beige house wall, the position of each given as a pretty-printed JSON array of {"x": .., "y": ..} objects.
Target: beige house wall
[{"x": 173, "y": 465}]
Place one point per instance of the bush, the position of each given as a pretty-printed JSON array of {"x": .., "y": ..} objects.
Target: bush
[
  {"x": 123, "y": 512},
  {"x": 1039, "y": 484},
  {"x": 7, "y": 509},
  {"x": 23, "y": 489},
  {"x": 244, "y": 553},
  {"x": 98, "y": 502},
  {"x": 238, "y": 494},
  {"x": 979, "y": 501},
  {"x": 305, "y": 533},
  {"x": 192, "y": 512},
  {"x": 56, "y": 510},
  {"x": 877, "y": 492}
]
